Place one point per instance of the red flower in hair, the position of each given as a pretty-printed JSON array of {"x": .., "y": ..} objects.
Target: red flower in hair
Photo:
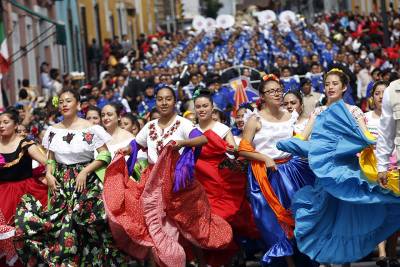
[{"x": 270, "y": 77}]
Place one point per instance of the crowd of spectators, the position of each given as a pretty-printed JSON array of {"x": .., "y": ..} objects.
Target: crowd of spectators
[{"x": 187, "y": 60}]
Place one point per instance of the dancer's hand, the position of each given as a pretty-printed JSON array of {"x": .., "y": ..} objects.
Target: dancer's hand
[
  {"x": 126, "y": 151},
  {"x": 81, "y": 181},
  {"x": 270, "y": 163},
  {"x": 230, "y": 149},
  {"x": 382, "y": 179},
  {"x": 52, "y": 183},
  {"x": 177, "y": 144}
]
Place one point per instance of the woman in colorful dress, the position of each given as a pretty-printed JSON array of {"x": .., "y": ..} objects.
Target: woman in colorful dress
[
  {"x": 333, "y": 217},
  {"x": 16, "y": 180},
  {"x": 73, "y": 230},
  {"x": 222, "y": 177},
  {"x": 166, "y": 213},
  {"x": 110, "y": 116},
  {"x": 293, "y": 101},
  {"x": 274, "y": 176}
]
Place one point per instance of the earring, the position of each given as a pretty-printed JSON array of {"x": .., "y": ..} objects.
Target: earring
[{"x": 371, "y": 103}]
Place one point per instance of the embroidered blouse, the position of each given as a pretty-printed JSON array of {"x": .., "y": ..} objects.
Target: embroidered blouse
[
  {"x": 75, "y": 146},
  {"x": 154, "y": 138},
  {"x": 18, "y": 164}
]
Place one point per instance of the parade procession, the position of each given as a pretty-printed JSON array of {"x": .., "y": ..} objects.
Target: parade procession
[{"x": 207, "y": 133}]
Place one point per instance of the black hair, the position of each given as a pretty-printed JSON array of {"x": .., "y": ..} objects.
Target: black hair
[
  {"x": 164, "y": 86},
  {"x": 133, "y": 119},
  {"x": 153, "y": 111},
  {"x": 94, "y": 108},
  {"x": 203, "y": 93},
  {"x": 25, "y": 83},
  {"x": 22, "y": 93},
  {"x": 221, "y": 115},
  {"x": 117, "y": 106},
  {"x": 286, "y": 68},
  {"x": 12, "y": 113},
  {"x": 296, "y": 93},
  {"x": 54, "y": 73},
  {"x": 73, "y": 92},
  {"x": 375, "y": 70},
  {"x": 315, "y": 64},
  {"x": 246, "y": 105},
  {"x": 107, "y": 89},
  {"x": 376, "y": 84}
]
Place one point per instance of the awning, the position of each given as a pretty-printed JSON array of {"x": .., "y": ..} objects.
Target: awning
[{"x": 61, "y": 37}]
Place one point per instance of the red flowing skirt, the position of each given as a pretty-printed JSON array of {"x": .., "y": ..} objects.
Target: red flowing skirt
[
  {"x": 225, "y": 187},
  {"x": 10, "y": 196},
  {"x": 148, "y": 216}
]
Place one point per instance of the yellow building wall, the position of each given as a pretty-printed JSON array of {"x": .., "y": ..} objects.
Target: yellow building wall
[{"x": 104, "y": 19}]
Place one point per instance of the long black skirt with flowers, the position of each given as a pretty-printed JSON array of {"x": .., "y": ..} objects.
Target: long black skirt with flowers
[{"x": 73, "y": 231}]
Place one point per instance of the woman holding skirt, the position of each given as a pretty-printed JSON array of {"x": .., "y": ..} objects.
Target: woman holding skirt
[
  {"x": 16, "y": 179},
  {"x": 73, "y": 230},
  {"x": 346, "y": 214},
  {"x": 274, "y": 176},
  {"x": 223, "y": 178},
  {"x": 166, "y": 214}
]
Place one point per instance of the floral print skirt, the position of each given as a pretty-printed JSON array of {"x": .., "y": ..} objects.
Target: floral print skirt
[{"x": 72, "y": 231}]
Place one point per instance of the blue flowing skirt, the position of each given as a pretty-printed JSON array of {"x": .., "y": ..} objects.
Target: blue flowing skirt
[
  {"x": 290, "y": 177},
  {"x": 343, "y": 217}
]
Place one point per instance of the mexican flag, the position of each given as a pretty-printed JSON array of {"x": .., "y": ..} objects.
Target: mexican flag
[{"x": 4, "y": 57}]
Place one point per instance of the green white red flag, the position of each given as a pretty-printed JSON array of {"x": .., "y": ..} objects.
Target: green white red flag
[{"x": 4, "y": 56}]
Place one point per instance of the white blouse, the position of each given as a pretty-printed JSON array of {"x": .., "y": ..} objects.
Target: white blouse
[
  {"x": 271, "y": 133},
  {"x": 75, "y": 146},
  {"x": 372, "y": 123},
  {"x": 219, "y": 128},
  {"x": 152, "y": 137},
  {"x": 299, "y": 127},
  {"x": 114, "y": 147}
]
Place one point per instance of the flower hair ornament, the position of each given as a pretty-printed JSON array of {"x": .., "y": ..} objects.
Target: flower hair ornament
[
  {"x": 270, "y": 77},
  {"x": 55, "y": 101},
  {"x": 196, "y": 93}
]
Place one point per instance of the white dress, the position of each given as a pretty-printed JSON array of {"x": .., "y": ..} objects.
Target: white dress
[
  {"x": 75, "y": 146},
  {"x": 271, "y": 133},
  {"x": 152, "y": 137}
]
